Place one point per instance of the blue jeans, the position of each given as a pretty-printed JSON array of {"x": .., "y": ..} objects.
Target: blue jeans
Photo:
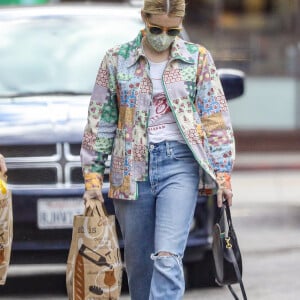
[{"x": 159, "y": 221}]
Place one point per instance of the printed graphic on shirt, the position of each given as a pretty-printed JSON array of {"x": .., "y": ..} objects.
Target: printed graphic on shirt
[
  {"x": 162, "y": 125},
  {"x": 160, "y": 113}
]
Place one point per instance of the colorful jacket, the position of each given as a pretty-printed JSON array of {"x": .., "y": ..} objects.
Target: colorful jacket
[{"x": 119, "y": 110}]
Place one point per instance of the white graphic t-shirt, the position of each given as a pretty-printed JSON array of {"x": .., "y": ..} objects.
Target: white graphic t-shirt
[{"x": 162, "y": 125}]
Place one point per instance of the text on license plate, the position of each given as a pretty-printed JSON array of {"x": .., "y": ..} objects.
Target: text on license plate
[{"x": 58, "y": 213}]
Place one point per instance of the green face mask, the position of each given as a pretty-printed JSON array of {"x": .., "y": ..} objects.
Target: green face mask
[{"x": 159, "y": 42}]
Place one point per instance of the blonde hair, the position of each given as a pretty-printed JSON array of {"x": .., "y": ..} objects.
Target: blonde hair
[{"x": 174, "y": 8}]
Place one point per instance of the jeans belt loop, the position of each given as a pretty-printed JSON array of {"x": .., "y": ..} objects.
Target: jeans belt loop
[{"x": 169, "y": 149}]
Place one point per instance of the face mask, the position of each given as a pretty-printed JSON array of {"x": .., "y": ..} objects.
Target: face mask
[{"x": 159, "y": 42}]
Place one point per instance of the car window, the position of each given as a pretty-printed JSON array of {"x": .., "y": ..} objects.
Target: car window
[{"x": 57, "y": 54}]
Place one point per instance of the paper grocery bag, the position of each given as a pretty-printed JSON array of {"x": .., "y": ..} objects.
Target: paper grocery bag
[
  {"x": 6, "y": 228},
  {"x": 94, "y": 266}
]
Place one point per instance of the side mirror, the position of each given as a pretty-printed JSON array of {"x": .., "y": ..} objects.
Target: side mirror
[{"x": 233, "y": 82}]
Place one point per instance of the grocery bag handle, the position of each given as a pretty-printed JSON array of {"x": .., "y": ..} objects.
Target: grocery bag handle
[{"x": 95, "y": 207}]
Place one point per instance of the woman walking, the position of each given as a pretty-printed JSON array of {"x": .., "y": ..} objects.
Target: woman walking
[{"x": 159, "y": 109}]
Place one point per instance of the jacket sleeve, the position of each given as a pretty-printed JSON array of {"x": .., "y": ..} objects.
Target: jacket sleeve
[
  {"x": 101, "y": 125},
  {"x": 213, "y": 109}
]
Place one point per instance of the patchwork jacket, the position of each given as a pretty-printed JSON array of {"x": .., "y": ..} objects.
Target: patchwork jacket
[{"x": 119, "y": 110}]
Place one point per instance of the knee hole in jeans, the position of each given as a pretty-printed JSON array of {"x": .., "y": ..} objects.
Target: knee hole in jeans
[
  {"x": 166, "y": 259},
  {"x": 164, "y": 254}
]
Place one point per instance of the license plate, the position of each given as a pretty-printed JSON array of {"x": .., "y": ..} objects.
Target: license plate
[{"x": 58, "y": 213}]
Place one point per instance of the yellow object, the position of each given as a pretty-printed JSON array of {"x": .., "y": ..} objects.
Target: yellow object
[
  {"x": 3, "y": 187},
  {"x": 93, "y": 181}
]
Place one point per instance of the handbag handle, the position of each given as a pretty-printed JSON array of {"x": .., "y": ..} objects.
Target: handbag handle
[
  {"x": 235, "y": 264},
  {"x": 239, "y": 277},
  {"x": 220, "y": 213}
]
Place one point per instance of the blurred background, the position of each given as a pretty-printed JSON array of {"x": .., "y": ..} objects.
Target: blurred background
[{"x": 260, "y": 37}]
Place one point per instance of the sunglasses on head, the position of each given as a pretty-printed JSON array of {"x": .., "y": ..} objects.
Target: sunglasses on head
[{"x": 155, "y": 29}]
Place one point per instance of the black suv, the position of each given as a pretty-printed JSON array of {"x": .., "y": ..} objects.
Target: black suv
[{"x": 48, "y": 60}]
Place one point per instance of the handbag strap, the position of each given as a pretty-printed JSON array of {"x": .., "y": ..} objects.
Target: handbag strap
[
  {"x": 235, "y": 264},
  {"x": 228, "y": 216},
  {"x": 239, "y": 277}
]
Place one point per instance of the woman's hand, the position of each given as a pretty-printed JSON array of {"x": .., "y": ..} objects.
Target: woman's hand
[
  {"x": 93, "y": 195},
  {"x": 224, "y": 194},
  {"x": 3, "y": 168}
]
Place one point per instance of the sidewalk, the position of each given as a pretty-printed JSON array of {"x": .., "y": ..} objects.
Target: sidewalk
[
  {"x": 267, "y": 178},
  {"x": 256, "y": 161}
]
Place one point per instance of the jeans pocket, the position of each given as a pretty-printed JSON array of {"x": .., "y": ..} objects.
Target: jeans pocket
[{"x": 118, "y": 159}]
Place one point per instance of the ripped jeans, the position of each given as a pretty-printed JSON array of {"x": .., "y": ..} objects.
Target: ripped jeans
[{"x": 155, "y": 227}]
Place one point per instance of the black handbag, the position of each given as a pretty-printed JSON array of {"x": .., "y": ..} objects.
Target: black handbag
[{"x": 226, "y": 252}]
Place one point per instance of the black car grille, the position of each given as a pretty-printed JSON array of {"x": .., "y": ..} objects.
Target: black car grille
[
  {"x": 27, "y": 151},
  {"x": 36, "y": 174},
  {"x": 74, "y": 149},
  {"x": 35, "y": 165}
]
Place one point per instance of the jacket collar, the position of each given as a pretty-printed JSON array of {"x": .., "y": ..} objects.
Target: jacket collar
[{"x": 179, "y": 50}]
